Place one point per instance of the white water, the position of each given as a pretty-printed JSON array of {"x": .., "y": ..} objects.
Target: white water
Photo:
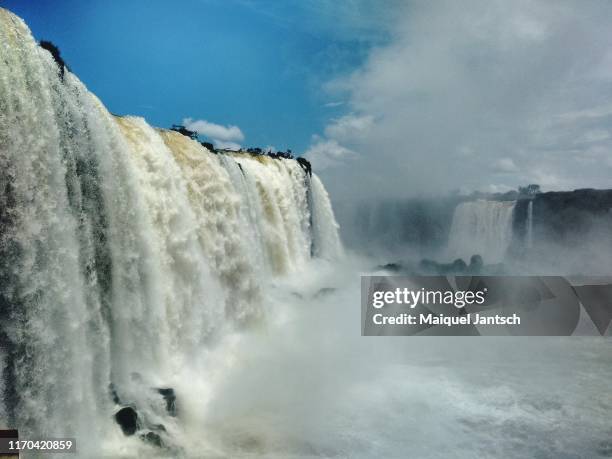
[
  {"x": 481, "y": 227},
  {"x": 314, "y": 388},
  {"x": 530, "y": 224},
  {"x": 128, "y": 254}
]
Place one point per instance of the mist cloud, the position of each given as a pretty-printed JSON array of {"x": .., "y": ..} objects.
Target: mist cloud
[
  {"x": 328, "y": 153},
  {"x": 476, "y": 95}
]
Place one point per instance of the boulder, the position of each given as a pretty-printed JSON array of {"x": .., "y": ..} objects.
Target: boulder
[
  {"x": 476, "y": 264},
  {"x": 433, "y": 267},
  {"x": 127, "y": 418}
]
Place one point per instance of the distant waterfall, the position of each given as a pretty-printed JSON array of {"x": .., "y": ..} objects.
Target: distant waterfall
[
  {"x": 481, "y": 227},
  {"x": 326, "y": 244},
  {"x": 125, "y": 251},
  {"x": 529, "y": 223}
]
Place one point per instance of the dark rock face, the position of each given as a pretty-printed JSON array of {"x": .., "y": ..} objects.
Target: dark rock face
[
  {"x": 281, "y": 154},
  {"x": 133, "y": 419},
  {"x": 170, "y": 398},
  {"x": 55, "y": 52},
  {"x": 566, "y": 215},
  {"x": 114, "y": 395},
  {"x": 127, "y": 418},
  {"x": 186, "y": 132},
  {"x": 305, "y": 165},
  {"x": 393, "y": 267},
  {"x": 209, "y": 146},
  {"x": 563, "y": 217}
]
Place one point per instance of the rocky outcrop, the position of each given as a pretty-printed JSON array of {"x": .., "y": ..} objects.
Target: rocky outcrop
[
  {"x": 209, "y": 146},
  {"x": 305, "y": 165},
  {"x": 55, "y": 52},
  {"x": 127, "y": 418},
  {"x": 433, "y": 267},
  {"x": 133, "y": 420},
  {"x": 567, "y": 215}
]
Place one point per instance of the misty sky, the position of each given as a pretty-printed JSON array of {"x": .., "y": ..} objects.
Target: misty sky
[
  {"x": 385, "y": 97},
  {"x": 478, "y": 95}
]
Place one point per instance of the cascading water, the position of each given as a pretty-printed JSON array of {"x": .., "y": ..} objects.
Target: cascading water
[
  {"x": 325, "y": 227},
  {"x": 126, "y": 252},
  {"x": 481, "y": 227},
  {"x": 529, "y": 223}
]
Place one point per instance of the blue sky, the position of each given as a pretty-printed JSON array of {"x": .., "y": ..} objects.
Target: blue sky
[
  {"x": 385, "y": 97},
  {"x": 259, "y": 66}
]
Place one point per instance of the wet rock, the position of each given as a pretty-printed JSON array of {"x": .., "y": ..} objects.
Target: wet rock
[
  {"x": 393, "y": 267},
  {"x": 186, "y": 132},
  {"x": 458, "y": 266},
  {"x": 114, "y": 395},
  {"x": 476, "y": 264},
  {"x": 152, "y": 438},
  {"x": 567, "y": 216},
  {"x": 170, "y": 398},
  {"x": 209, "y": 146},
  {"x": 305, "y": 165},
  {"x": 433, "y": 267},
  {"x": 127, "y": 418}
]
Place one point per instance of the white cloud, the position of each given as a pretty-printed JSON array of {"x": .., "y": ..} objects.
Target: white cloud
[
  {"x": 495, "y": 188},
  {"x": 465, "y": 92},
  {"x": 327, "y": 153},
  {"x": 349, "y": 126},
  {"x": 226, "y": 145},
  {"x": 221, "y": 136},
  {"x": 596, "y": 135},
  {"x": 505, "y": 165},
  {"x": 591, "y": 112}
]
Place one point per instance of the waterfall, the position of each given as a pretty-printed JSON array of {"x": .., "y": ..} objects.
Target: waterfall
[
  {"x": 326, "y": 243},
  {"x": 529, "y": 223},
  {"x": 126, "y": 251},
  {"x": 481, "y": 227}
]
